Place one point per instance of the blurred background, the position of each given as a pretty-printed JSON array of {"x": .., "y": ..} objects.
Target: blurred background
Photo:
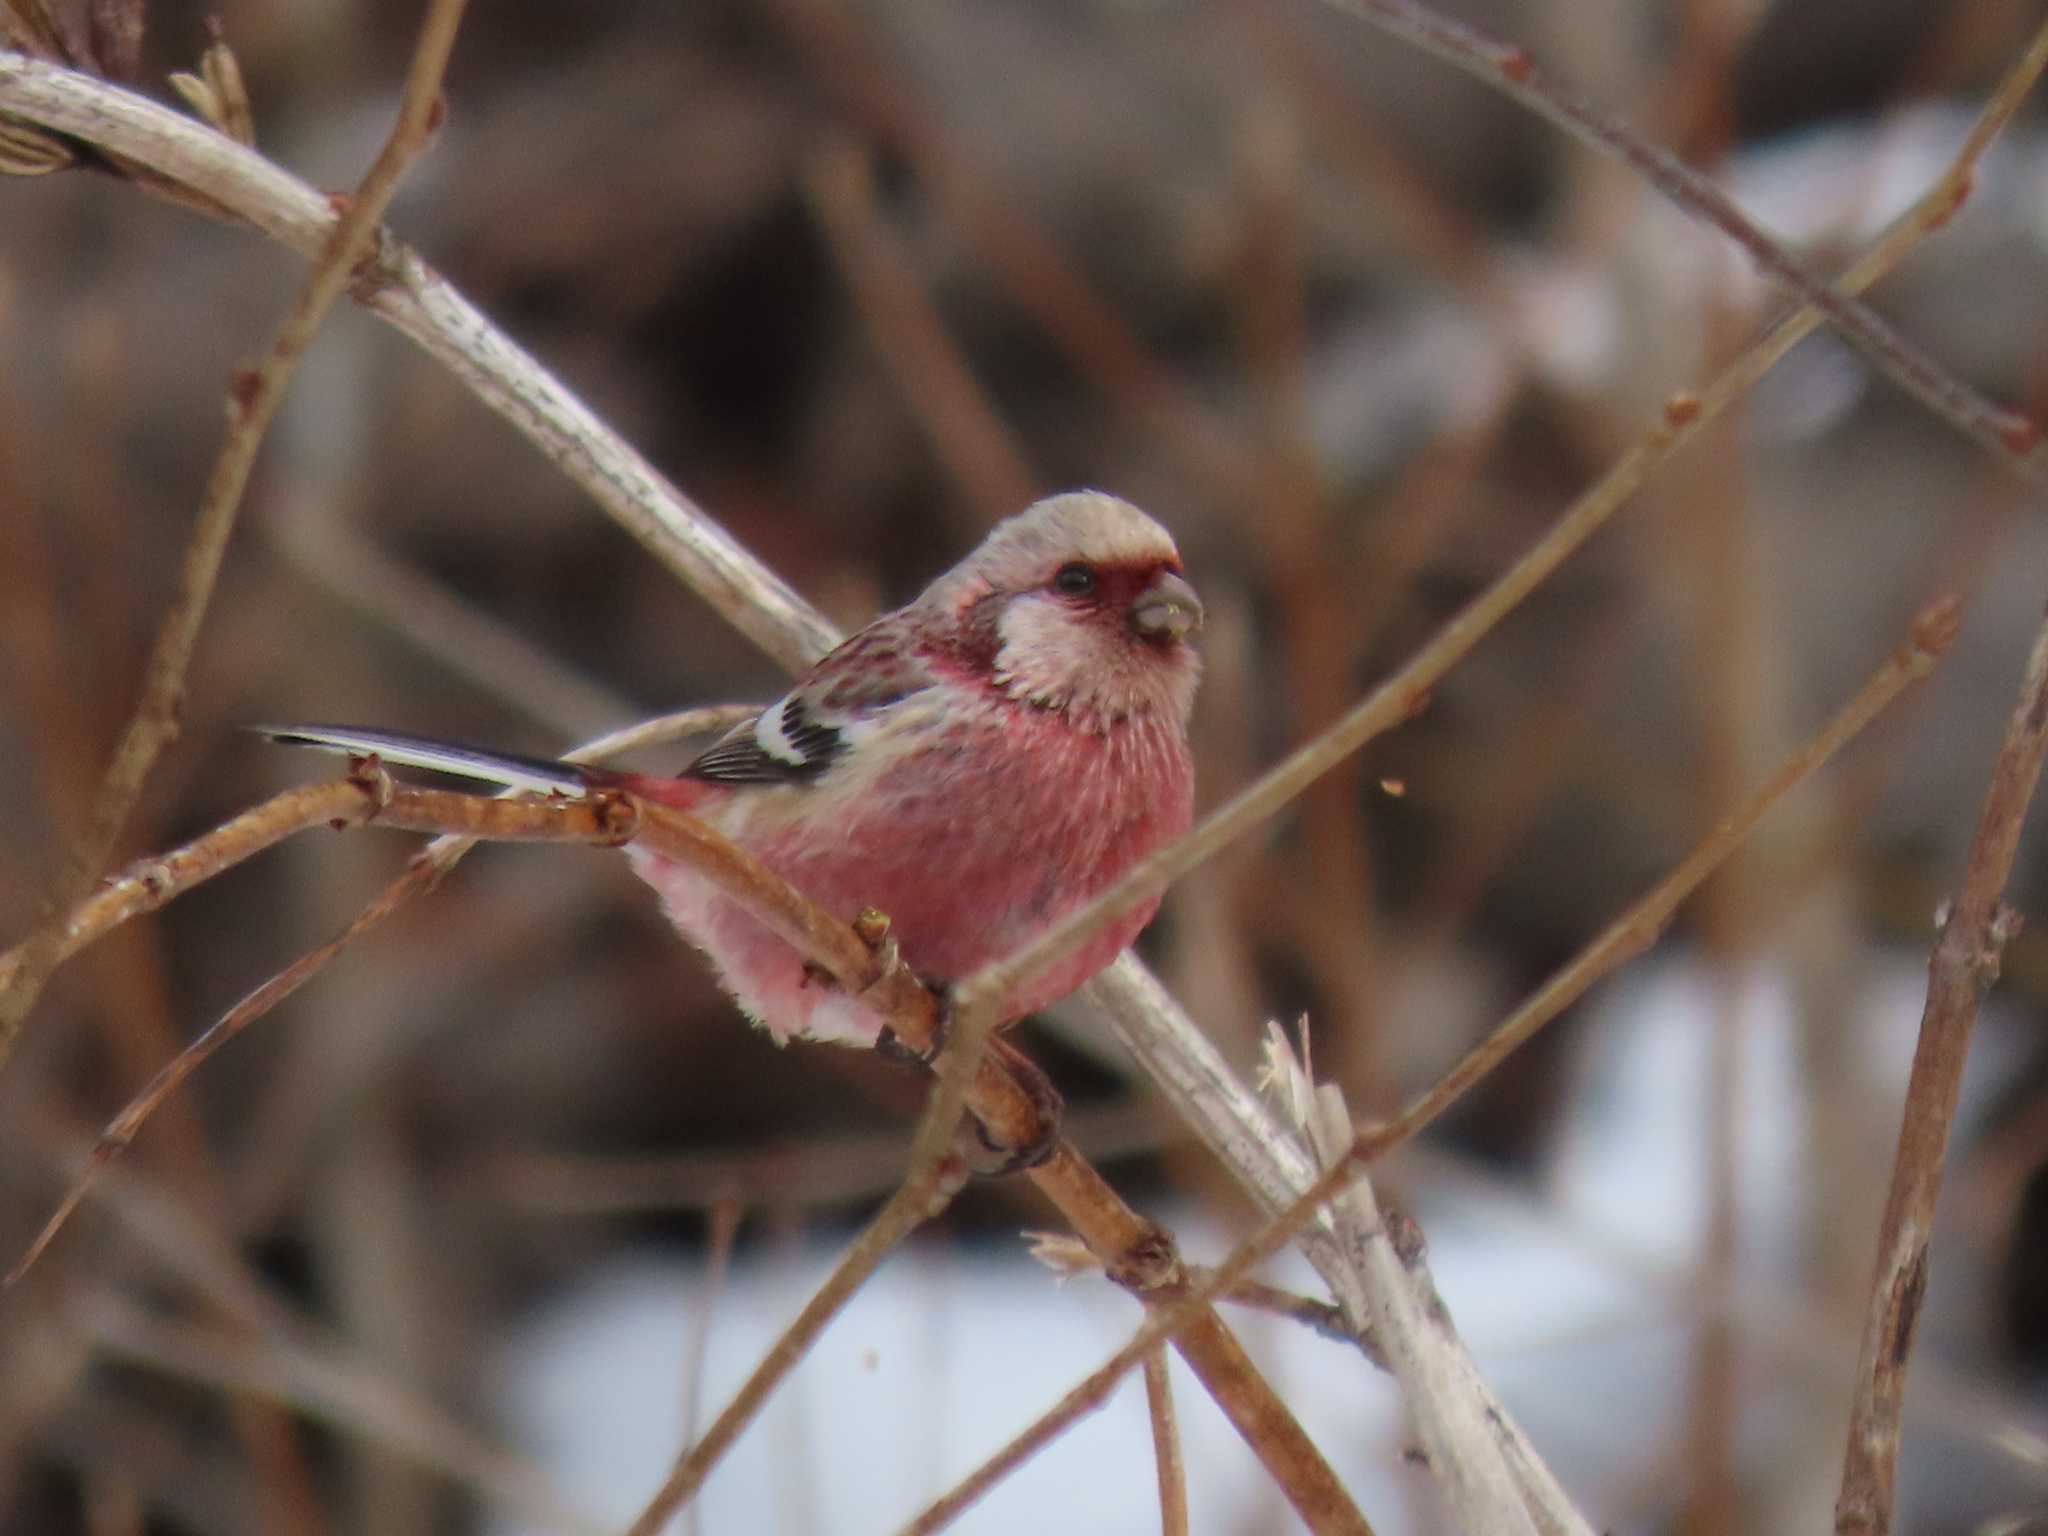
[{"x": 434, "y": 1247}]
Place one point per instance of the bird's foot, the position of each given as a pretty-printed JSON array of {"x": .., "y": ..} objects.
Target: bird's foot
[{"x": 1047, "y": 1109}]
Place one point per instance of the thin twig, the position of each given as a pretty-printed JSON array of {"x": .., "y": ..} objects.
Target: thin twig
[
  {"x": 1932, "y": 632},
  {"x": 253, "y": 403},
  {"x": 1022, "y": 256},
  {"x": 960, "y": 422},
  {"x": 364, "y": 797},
  {"x": 1963, "y": 967},
  {"x": 427, "y": 310},
  {"x": 1166, "y": 1454},
  {"x": 1934, "y": 629},
  {"x": 1509, "y": 69},
  {"x": 410, "y": 296},
  {"x": 328, "y": 1385},
  {"x": 421, "y": 876},
  {"x": 1137, "y": 1253},
  {"x": 486, "y": 651},
  {"x": 725, "y": 1225},
  {"x": 1319, "y": 1317},
  {"x": 1145, "y": 1018},
  {"x": 149, "y": 883},
  {"x": 916, "y": 1202}
]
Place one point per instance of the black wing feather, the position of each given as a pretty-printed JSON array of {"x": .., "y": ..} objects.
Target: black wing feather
[{"x": 742, "y": 758}]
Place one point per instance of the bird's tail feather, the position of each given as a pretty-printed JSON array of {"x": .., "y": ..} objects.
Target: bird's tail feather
[{"x": 509, "y": 770}]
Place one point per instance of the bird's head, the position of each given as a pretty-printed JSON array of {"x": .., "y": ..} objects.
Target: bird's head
[{"x": 1078, "y": 604}]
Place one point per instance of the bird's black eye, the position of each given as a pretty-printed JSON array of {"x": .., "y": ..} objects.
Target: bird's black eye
[{"x": 1074, "y": 579}]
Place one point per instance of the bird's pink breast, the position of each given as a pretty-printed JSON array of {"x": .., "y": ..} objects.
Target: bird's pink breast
[{"x": 972, "y": 843}]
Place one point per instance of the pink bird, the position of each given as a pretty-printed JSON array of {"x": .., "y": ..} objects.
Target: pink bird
[{"x": 977, "y": 765}]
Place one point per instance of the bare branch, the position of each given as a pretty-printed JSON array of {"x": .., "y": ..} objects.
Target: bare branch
[
  {"x": 253, "y": 404},
  {"x": 329, "y": 1385},
  {"x": 1510, "y": 70},
  {"x": 1963, "y": 967},
  {"x": 1175, "y": 1054},
  {"x": 1166, "y": 1454},
  {"x": 1934, "y": 630},
  {"x": 1931, "y": 634},
  {"x": 909, "y": 1208},
  {"x": 414, "y": 299},
  {"x": 959, "y": 420}
]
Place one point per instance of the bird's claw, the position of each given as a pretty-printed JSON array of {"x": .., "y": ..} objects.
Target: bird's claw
[
  {"x": 1047, "y": 1108},
  {"x": 895, "y": 1047}
]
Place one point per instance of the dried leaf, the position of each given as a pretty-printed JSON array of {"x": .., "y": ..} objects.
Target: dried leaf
[
  {"x": 114, "y": 29},
  {"x": 1286, "y": 1078},
  {"x": 198, "y": 96},
  {"x": 216, "y": 94},
  {"x": 1065, "y": 1256},
  {"x": 26, "y": 151}
]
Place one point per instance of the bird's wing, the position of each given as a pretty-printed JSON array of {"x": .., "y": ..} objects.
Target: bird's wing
[{"x": 804, "y": 732}]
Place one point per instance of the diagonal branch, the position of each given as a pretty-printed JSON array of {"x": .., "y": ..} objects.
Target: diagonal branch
[
  {"x": 1137, "y": 1253},
  {"x": 1963, "y": 967},
  {"x": 416, "y": 301},
  {"x": 1931, "y": 633},
  {"x": 1509, "y": 69},
  {"x": 1166, "y": 1452},
  {"x": 1145, "y": 1017},
  {"x": 253, "y": 404},
  {"x": 1636, "y": 929}
]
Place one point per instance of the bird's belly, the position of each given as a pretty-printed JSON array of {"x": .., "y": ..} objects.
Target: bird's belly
[{"x": 970, "y": 857}]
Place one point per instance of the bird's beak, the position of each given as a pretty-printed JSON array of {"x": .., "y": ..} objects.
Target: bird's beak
[{"x": 1166, "y": 610}]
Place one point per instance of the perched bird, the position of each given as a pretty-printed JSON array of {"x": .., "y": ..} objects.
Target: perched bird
[{"x": 976, "y": 765}]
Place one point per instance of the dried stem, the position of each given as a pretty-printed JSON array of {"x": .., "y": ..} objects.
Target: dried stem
[
  {"x": 959, "y": 420},
  {"x": 252, "y": 404},
  {"x": 1509, "y": 69},
  {"x": 408, "y": 294},
  {"x": 1963, "y": 967},
  {"x": 1021, "y": 256},
  {"x": 418, "y": 303},
  {"x": 1932, "y": 633},
  {"x": 1138, "y": 1254},
  {"x": 594, "y": 821},
  {"x": 1934, "y": 629},
  {"x": 365, "y": 795},
  {"x": 910, "y": 1207},
  {"x": 149, "y": 883},
  {"x": 1165, "y": 1322},
  {"x": 1317, "y": 1316},
  {"x": 329, "y": 1385},
  {"x": 725, "y": 1225},
  {"x": 1145, "y": 1017},
  {"x": 1166, "y": 1453}
]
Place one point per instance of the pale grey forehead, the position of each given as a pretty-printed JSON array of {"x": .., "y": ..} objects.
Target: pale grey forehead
[{"x": 1083, "y": 525}]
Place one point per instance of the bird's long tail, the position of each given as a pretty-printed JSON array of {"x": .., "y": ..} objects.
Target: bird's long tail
[{"x": 508, "y": 770}]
